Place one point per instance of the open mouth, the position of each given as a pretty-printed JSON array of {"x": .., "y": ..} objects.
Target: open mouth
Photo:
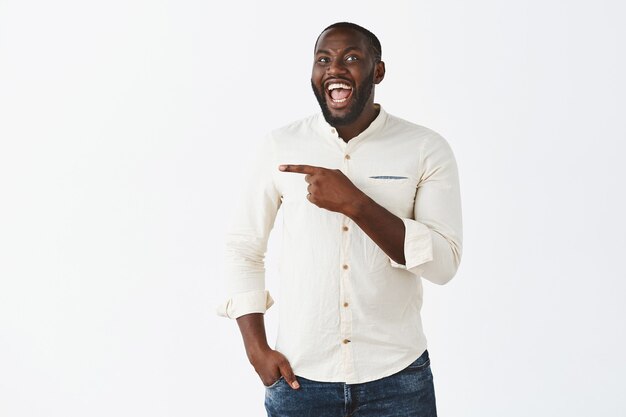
[{"x": 339, "y": 93}]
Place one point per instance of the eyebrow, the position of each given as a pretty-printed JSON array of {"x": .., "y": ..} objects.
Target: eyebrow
[{"x": 348, "y": 49}]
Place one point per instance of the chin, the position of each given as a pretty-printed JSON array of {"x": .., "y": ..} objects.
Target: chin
[{"x": 340, "y": 118}]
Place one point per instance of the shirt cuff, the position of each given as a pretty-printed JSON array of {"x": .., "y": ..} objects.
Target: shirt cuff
[
  {"x": 418, "y": 246},
  {"x": 245, "y": 303}
]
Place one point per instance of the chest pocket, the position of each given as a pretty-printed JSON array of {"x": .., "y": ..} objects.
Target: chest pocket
[{"x": 395, "y": 193}]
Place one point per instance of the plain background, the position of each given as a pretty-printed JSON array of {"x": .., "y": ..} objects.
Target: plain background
[{"x": 126, "y": 127}]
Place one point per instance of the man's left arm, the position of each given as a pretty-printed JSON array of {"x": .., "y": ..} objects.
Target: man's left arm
[
  {"x": 430, "y": 243},
  {"x": 433, "y": 241}
]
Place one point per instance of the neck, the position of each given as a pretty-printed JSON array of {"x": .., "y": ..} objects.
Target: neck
[{"x": 370, "y": 112}]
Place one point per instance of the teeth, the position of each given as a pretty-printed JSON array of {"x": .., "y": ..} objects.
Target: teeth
[
  {"x": 339, "y": 101},
  {"x": 339, "y": 85}
]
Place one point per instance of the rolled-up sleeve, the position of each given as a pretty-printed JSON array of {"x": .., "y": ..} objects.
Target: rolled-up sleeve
[
  {"x": 246, "y": 303},
  {"x": 246, "y": 240},
  {"x": 434, "y": 236}
]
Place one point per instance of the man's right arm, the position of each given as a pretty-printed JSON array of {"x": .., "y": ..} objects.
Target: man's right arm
[{"x": 246, "y": 244}]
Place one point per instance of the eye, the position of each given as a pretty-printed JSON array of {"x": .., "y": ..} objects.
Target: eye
[
  {"x": 351, "y": 58},
  {"x": 323, "y": 60}
]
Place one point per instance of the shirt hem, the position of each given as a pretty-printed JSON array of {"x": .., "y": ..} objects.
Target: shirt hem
[{"x": 368, "y": 378}]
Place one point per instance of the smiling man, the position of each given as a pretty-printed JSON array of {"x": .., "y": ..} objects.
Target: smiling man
[{"x": 371, "y": 206}]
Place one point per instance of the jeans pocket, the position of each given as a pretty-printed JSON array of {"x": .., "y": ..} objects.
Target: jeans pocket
[
  {"x": 275, "y": 383},
  {"x": 421, "y": 363}
]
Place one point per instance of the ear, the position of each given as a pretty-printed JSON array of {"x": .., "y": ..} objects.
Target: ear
[{"x": 379, "y": 72}]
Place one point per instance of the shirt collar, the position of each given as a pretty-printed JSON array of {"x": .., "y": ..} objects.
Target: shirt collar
[{"x": 376, "y": 124}]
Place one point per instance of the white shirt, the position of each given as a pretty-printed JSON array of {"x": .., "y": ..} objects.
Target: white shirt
[{"x": 348, "y": 313}]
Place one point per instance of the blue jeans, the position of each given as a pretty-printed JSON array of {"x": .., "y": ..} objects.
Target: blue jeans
[{"x": 408, "y": 393}]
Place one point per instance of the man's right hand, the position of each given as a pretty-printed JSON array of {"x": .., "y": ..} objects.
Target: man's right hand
[
  {"x": 271, "y": 365},
  {"x": 268, "y": 363}
]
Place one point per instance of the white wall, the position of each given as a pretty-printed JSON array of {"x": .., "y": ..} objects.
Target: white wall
[{"x": 126, "y": 126}]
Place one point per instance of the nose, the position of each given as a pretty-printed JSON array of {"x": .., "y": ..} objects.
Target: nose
[{"x": 336, "y": 67}]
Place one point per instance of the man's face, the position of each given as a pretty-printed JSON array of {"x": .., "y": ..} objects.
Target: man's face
[{"x": 344, "y": 74}]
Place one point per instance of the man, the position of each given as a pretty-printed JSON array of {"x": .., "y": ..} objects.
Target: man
[{"x": 371, "y": 204}]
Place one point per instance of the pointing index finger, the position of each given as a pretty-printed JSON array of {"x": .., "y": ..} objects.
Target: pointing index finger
[{"x": 300, "y": 169}]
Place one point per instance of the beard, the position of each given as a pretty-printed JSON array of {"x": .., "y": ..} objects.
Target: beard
[{"x": 359, "y": 101}]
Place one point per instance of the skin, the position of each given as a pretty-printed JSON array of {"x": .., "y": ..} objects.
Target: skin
[{"x": 341, "y": 55}]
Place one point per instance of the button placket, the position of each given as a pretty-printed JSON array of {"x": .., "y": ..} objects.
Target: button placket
[
  {"x": 345, "y": 274},
  {"x": 345, "y": 313}
]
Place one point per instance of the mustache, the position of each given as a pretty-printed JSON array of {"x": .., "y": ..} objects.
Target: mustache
[
  {"x": 323, "y": 82},
  {"x": 337, "y": 78}
]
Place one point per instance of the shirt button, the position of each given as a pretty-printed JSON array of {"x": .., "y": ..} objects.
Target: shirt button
[
  {"x": 347, "y": 156},
  {"x": 333, "y": 131},
  {"x": 346, "y": 341},
  {"x": 346, "y": 304},
  {"x": 345, "y": 228},
  {"x": 345, "y": 266}
]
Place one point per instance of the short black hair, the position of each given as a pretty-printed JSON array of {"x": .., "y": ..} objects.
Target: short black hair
[{"x": 375, "y": 47}]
